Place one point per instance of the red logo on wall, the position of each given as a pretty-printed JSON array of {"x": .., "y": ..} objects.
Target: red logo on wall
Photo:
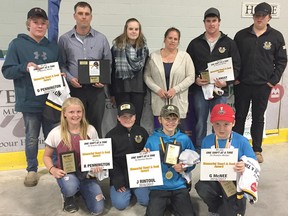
[{"x": 276, "y": 93}]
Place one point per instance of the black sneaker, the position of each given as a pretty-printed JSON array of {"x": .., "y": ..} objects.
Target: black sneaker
[{"x": 70, "y": 205}]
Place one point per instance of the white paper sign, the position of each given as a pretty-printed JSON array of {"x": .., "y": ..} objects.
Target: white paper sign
[
  {"x": 96, "y": 152},
  {"x": 46, "y": 79},
  {"x": 218, "y": 164},
  {"x": 144, "y": 169},
  {"x": 221, "y": 69}
]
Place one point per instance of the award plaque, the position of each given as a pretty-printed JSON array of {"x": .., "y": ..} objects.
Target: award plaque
[
  {"x": 68, "y": 162},
  {"x": 229, "y": 188},
  {"x": 172, "y": 153},
  {"x": 205, "y": 75},
  {"x": 94, "y": 71}
]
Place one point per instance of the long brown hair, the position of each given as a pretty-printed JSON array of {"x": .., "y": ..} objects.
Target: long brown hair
[
  {"x": 65, "y": 134},
  {"x": 123, "y": 39}
]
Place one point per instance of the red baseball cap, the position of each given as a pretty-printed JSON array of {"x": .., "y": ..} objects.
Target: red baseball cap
[{"x": 222, "y": 112}]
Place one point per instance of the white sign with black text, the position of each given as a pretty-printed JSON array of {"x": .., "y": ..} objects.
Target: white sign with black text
[
  {"x": 218, "y": 164},
  {"x": 144, "y": 169},
  {"x": 96, "y": 152},
  {"x": 46, "y": 79},
  {"x": 221, "y": 69}
]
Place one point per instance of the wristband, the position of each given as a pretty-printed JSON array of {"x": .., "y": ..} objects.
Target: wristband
[{"x": 50, "y": 169}]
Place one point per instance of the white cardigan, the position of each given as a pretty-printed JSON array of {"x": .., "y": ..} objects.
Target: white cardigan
[{"x": 182, "y": 75}]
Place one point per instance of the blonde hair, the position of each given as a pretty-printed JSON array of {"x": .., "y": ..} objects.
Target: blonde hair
[{"x": 65, "y": 134}]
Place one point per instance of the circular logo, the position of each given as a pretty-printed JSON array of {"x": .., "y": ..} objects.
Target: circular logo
[{"x": 276, "y": 93}]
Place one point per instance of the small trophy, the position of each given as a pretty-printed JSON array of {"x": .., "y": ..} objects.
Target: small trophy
[
  {"x": 172, "y": 153},
  {"x": 205, "y": 75},
  {"x": 68, "y": 161}
]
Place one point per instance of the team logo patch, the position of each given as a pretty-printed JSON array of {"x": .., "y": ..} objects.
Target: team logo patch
[
  {"x": 138, "y": 138},
  {"x": 221, "y": 111},
  {"x": 125, "y": 106},
  {"x": 267, "y": 45},
  {"x": 221, "y": 49}
]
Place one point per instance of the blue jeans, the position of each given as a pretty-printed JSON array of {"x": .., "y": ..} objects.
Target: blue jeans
[
  {"x": 88, "y": 188},
  {"x": 33, "y": 123},
  {"x": 122, "y": 200},
  {"x": 201, "y": 110}
]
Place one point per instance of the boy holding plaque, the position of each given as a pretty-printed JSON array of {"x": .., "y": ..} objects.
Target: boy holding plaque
[
  {"x": 214, "y": 193},
  {"x": 26, "y": 51},
  {"x": 170, "y": 142},
  {"x": 127, "y": 137},
  {"x": 65, "y": 139}
]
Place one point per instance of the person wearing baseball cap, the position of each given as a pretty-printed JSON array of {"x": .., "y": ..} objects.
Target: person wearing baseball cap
[
  {"x": 26, "y": 51},
  {"x": 126, "y": 107},
  {"x": 37, "y": 12},
  {"x": 223, "y": 119},
  {"x": 212, "y": 12},
  {"x": 127, "y": 137},
  {"x": 262, "y": 9},
  {"x": 168, "y": 110},
  {"x": 263, "y": 61},
  {"x": 210, "y": 46},
  {"x": 175, "y": 189}
]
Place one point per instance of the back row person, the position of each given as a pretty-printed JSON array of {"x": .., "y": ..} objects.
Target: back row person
[
  {"x": 83, "y": 42},
  {"x": 26, "y": 51},
  {"x": 210, "y": 46},
  {"x": 129, "y": 55},
  {"x": 168, "y": 74},
  {"x": 263, "y": 60}
]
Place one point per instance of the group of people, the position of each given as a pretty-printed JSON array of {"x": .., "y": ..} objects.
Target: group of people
[{"x": 259, "y": 58}]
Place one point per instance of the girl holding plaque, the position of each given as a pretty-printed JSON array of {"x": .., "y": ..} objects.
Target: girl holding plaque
[
  {"x": 65, "y": 139},
  {"x": 170, "y": 142}
]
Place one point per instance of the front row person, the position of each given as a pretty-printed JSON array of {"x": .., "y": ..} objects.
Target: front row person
[
  {"x": 65, "y": 139},
  {"x": 212, "y": 193},
  {"x": 174, "y": 193},
  {"x": 127, "y": 137}
]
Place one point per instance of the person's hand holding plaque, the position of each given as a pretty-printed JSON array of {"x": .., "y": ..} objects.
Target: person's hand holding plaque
[{"x": 98, "y": 85}]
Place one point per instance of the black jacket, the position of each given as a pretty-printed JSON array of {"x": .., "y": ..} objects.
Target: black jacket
[
  {"x": 264, "y": 58},
  {"x": 199, "y": 50},
  {"x": 124, "y": 142}
]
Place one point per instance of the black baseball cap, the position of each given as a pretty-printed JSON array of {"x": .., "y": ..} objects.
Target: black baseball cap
[
  {"x": 37, "y": 12},
  {"x": 126, "y": 107},
  {"x": 262, "y": 9},
  {"x": 212, "y": 12}
]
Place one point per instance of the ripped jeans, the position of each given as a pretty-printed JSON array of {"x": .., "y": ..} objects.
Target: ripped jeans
[{"x": 88, "y": 188}]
